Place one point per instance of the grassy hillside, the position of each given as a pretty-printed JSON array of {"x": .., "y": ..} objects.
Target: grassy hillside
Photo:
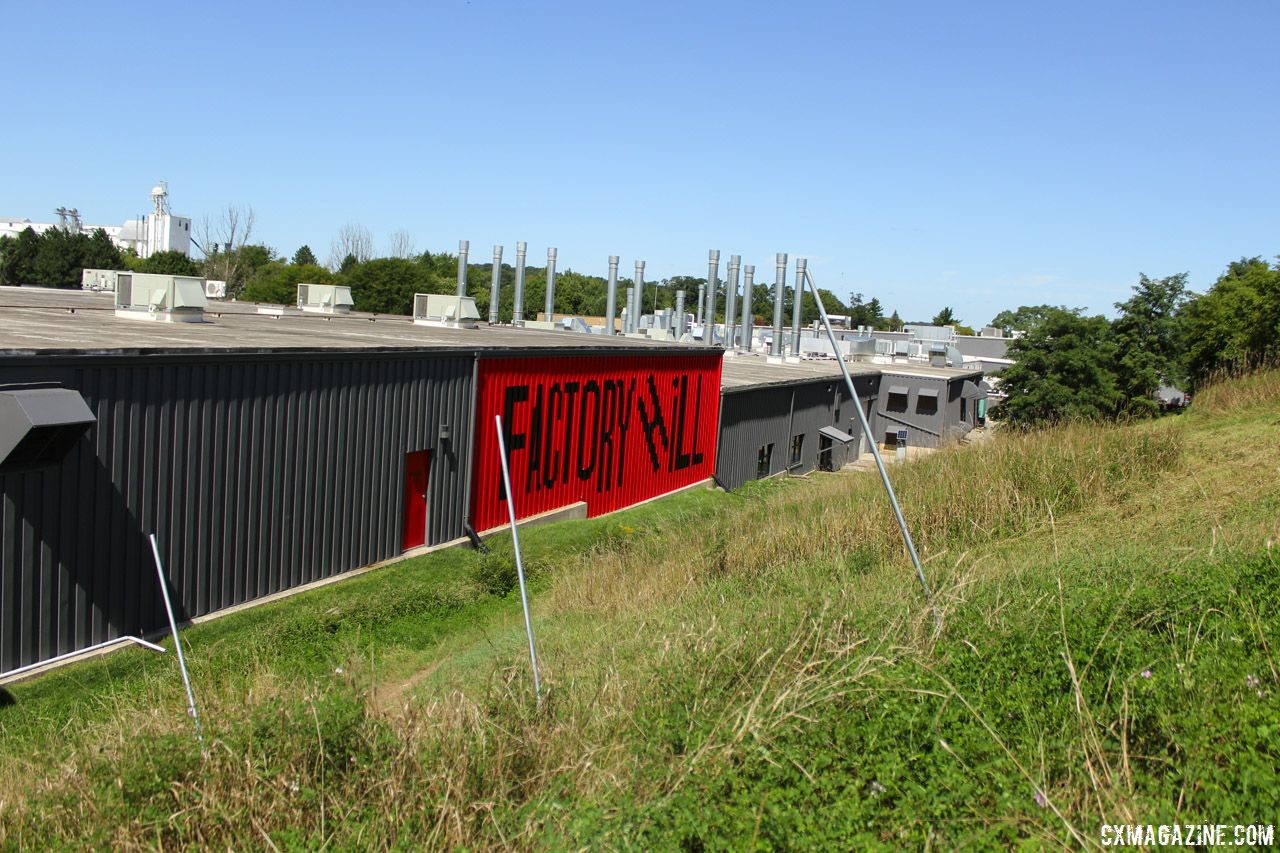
[{"x": 756, "y": 669}]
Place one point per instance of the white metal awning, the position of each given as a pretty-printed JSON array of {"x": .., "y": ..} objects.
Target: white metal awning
[{"x": 836, "y": 435}]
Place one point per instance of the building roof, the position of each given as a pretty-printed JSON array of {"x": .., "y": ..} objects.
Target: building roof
[
  {"x": 41, "y": 321},
  {"x": 753, "y": 371}
]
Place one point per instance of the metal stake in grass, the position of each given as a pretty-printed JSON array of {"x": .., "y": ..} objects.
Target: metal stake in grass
[
  {"x": 515, "y": 541},
  {"x": 177, "y": 644},
  {"x": 866, "y": 430}
]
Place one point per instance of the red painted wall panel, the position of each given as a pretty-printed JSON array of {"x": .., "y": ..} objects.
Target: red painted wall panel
[{"x": 608, "y": 430}]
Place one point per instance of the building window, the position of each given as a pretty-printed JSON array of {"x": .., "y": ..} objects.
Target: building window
[
  {"x": 797, "y": 448},
  {"x": 764, "y": 462},
  {"x": 897, "y": 399},
  {"x": 926, "y": 405}
]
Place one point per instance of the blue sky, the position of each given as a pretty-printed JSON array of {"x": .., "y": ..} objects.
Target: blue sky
[{"x": 978, "y": 155}]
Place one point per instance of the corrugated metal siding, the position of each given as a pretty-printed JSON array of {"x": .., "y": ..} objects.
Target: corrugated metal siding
[
  {"x": 748, "y": 421},
  {"x": 650, "y": 429},
  {"x": 256, "y": 473}
]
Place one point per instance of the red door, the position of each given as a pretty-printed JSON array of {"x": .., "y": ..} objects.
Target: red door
[{"x": 415, "y": 499}]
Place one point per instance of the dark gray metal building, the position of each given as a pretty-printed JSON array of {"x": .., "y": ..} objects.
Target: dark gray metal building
[
  {"x": 795, "y": 418},
  {"x": 933, "y": 405}
]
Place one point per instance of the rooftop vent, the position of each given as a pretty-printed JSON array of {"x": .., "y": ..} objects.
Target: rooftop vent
[
  {"x": 214, "y": 289},
  {"x": 98, "y": 281},
  {"x": 324, "y": 298},
  {"x": 166, "y": 298},
  {"x": 39, "y": 426},
  {"x": 434, "y": 309}
]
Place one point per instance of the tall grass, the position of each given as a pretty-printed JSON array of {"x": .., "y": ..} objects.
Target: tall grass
[{"x": 768, "y": 642}]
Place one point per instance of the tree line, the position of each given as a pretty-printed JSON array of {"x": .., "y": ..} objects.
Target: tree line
[{"x": 1069, "y": 365}]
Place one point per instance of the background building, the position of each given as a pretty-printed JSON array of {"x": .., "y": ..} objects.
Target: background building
[{"x": 158, "y": 231}]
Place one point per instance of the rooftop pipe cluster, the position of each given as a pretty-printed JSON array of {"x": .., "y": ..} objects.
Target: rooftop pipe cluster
[{"x": 737, "y": 331}]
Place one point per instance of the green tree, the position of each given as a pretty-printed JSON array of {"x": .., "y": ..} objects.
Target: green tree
[
  {"x": 1236, "y": 324},
  {"x": 304, "y": 257},
  {"x": 57, "y": 261},
  {"x": 100, "y": 253},
  {"x": 387, "y": 285},
  {"x": 875, "y": 313},
  {"x": 1064, "y": 369},
  {"x": 18, "y": 258},
  {"x": 945, "y": 317},
  {"x": 169, "y": 263},
  {"x": 1026, "y": 317},
  {"x": 894, "y": 322},
  {"x": 277, "y": 282},
  {"x": 1149, "y": 342}
]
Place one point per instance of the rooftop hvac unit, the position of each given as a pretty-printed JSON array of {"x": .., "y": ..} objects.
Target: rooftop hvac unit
[
  {"x": 324, "y": 298},
  {"x": 215, "y": 289},
  {"x": 901, "y": 347},
  {"x": 938, "y": 355},
  {"x": 165, "y": 298},
  {"x": 99, "y": 281},
  {"x": 435, "y": 309}
]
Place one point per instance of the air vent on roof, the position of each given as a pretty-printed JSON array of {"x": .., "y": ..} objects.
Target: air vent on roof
[
  {"x": 324, "y": 298},
  {"x": 98, "y": 280},
  {"x": 215, "y": 289},
  {"x": 434, "y": 309},
  {"x": 166, "y": 298}
]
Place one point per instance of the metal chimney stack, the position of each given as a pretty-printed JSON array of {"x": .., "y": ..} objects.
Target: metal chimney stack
[
  {"x": 639, "y": 297},
  {"x": 731, "y": 294},
  {"x": 748, "y": 296},
  {"x": 551, "y": 286},
  {"x": 495, "y": 285},
  {"x": 779, "y": 286},
  {"x": 628, "y": 322},
  {"x": 463, "y": 245},
  {"x": 702, "y": 299},
  {"x": 517, "y": 305},
  {"x": 796, "y": 307},
  {"x": 611, "y": 306},
  {"x": 679, "y": 314},
  {"x": 713, "y": 273}
]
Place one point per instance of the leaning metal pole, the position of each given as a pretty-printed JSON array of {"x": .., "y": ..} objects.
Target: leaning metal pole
[
  {"x": 177, "y": 643},
  {"x": 515, "y": 541},
  {"x": 866, "y": 430}
]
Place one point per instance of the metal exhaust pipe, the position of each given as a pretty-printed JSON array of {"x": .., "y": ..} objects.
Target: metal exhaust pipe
[
  {"x": 495, "y": 285},
  {"x": 517, "y": 305},
  {"x": 748, "y": 297},
  {"x": 551, "y": 286},
  {"x": 611, "y": 305},
  {"x": 679, "y": 314},
  {"x": 639, "y": 296},
  {"x": 797, "y": 304},
  {"x": 629, "y": 312},
  {"x": 731, "y": 295},
  {"x": 463, "y": 245},
  {"x": 713, "y": 273},
  {"x": 702, "y": 299},
  {"x": 779, "y": 285}
]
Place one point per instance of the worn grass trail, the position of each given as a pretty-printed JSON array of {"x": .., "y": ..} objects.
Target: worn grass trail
[{"x": 755, "y": 669}]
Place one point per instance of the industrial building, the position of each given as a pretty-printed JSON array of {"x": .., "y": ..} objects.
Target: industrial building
[
  {"x": 269, "y": 448},
  {"x": 158, "y": 231}
]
